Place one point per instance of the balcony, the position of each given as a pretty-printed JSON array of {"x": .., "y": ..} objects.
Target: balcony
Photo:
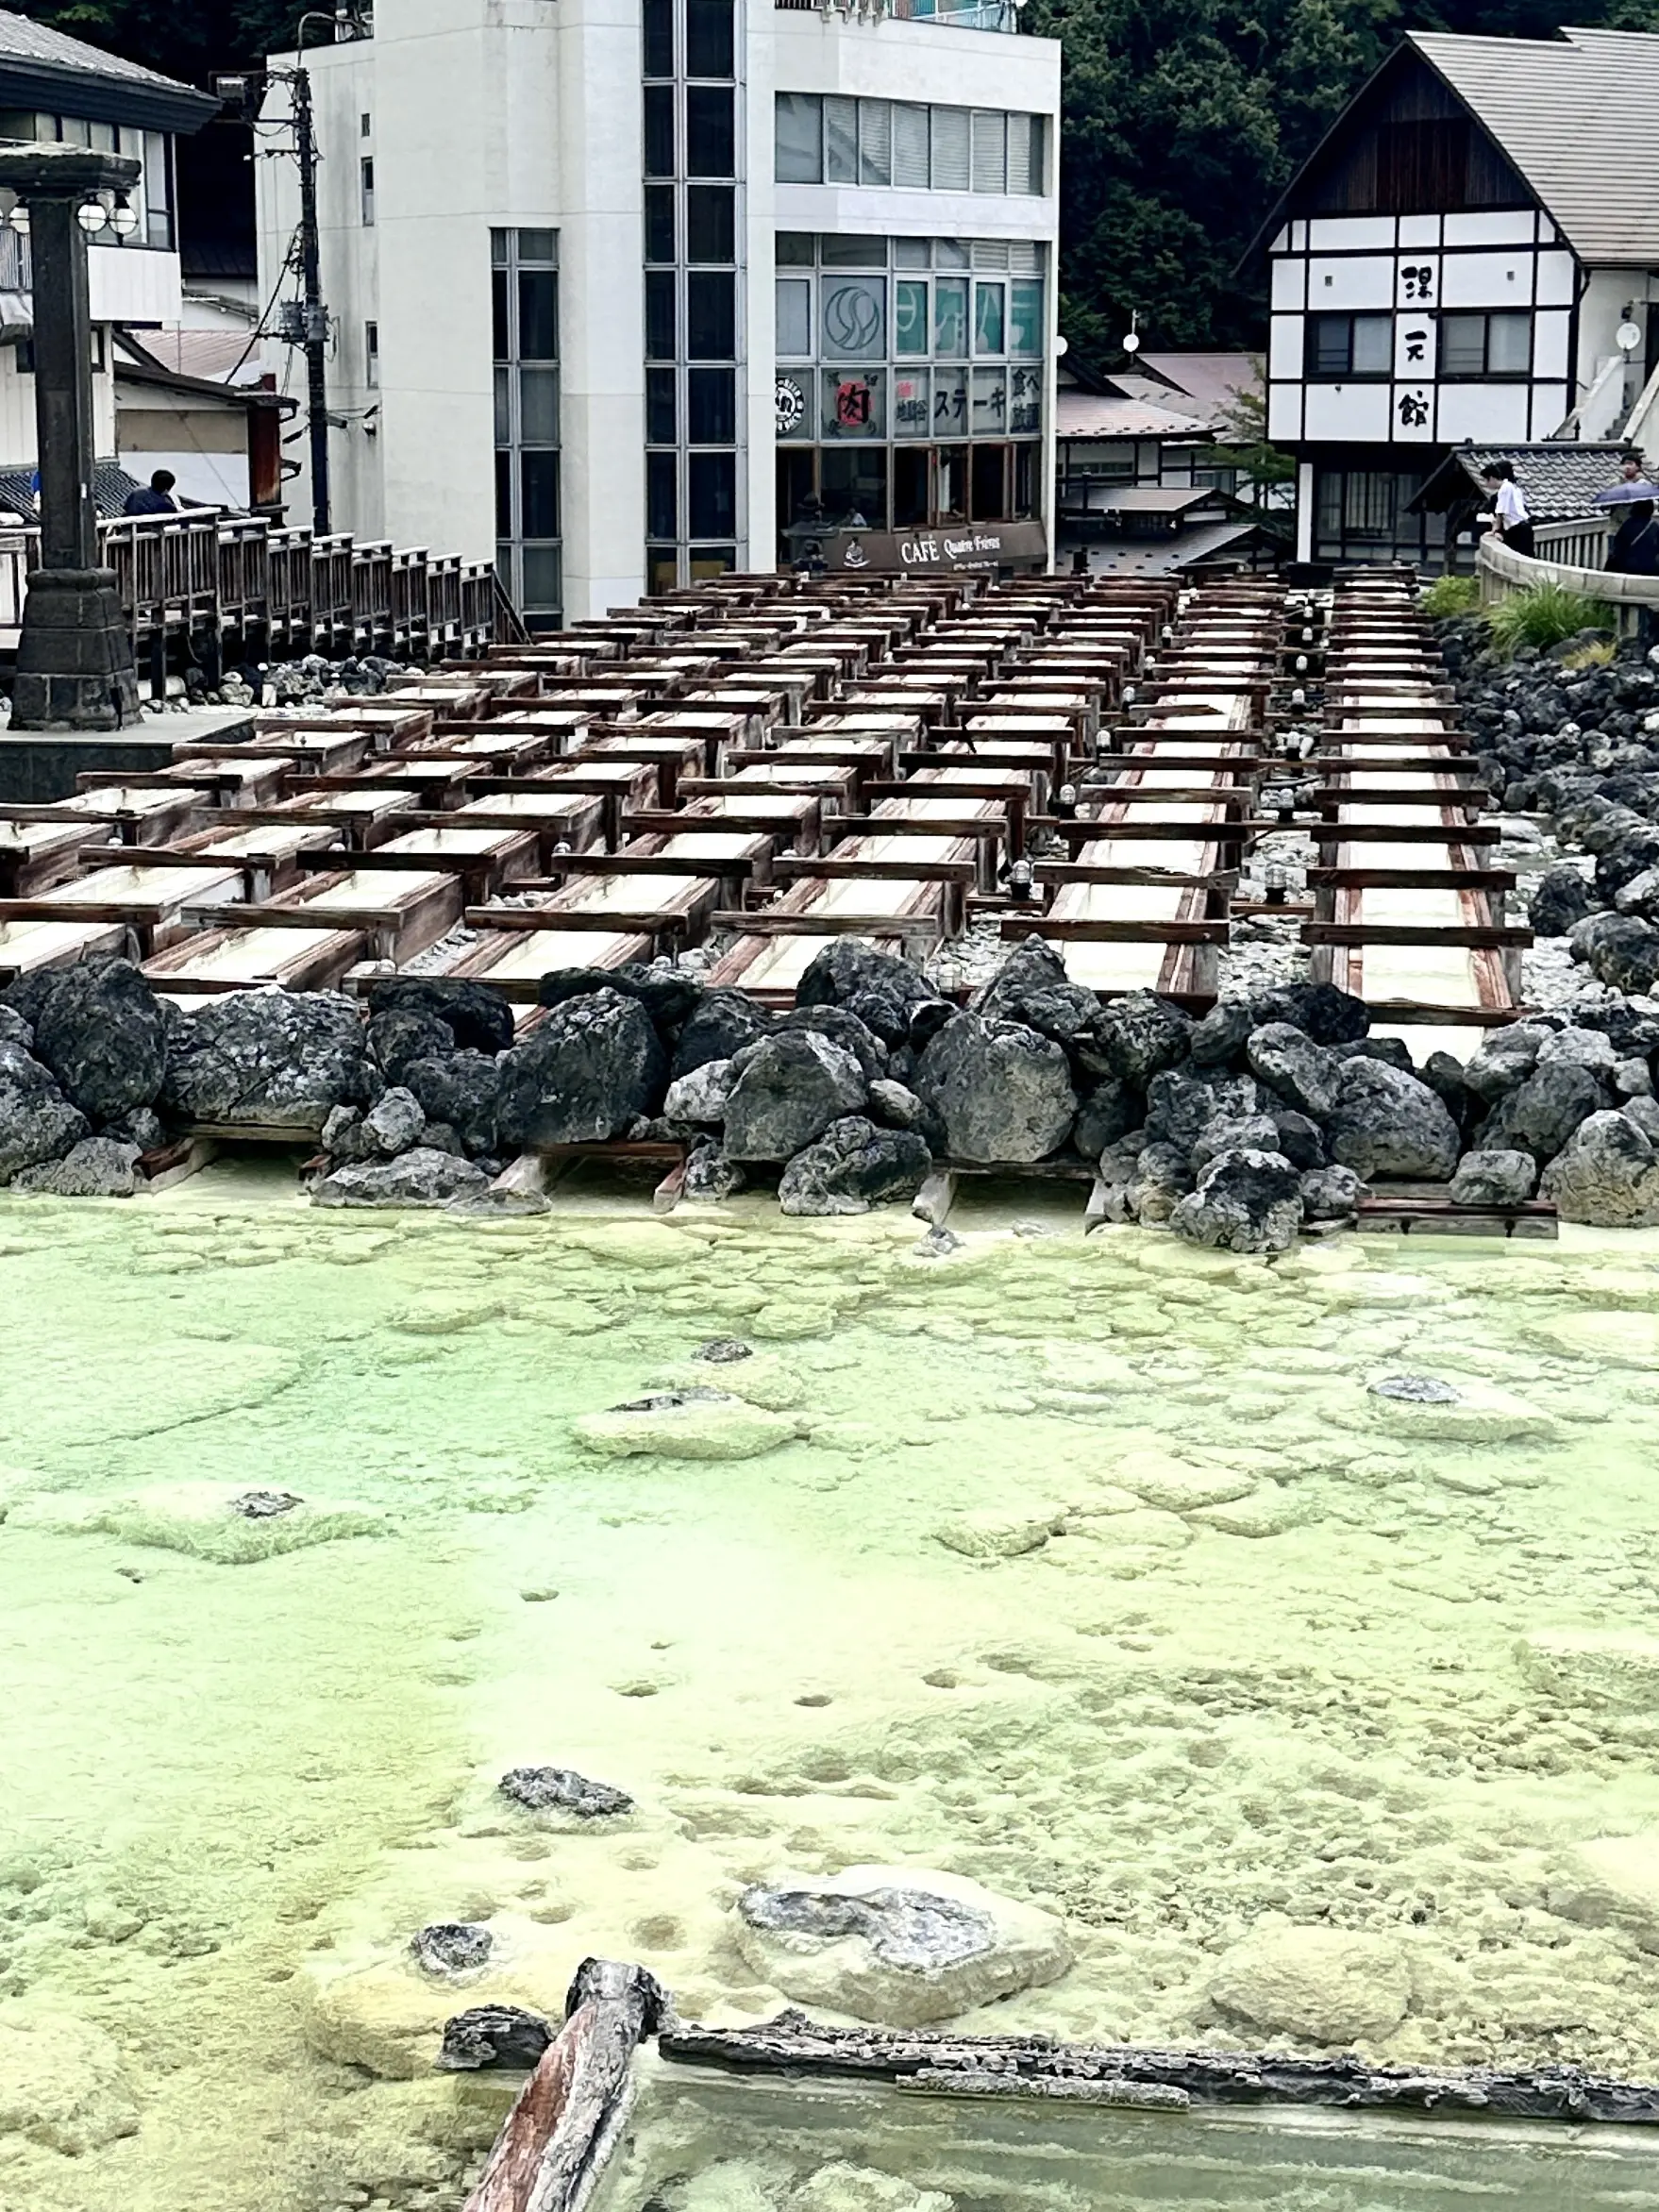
[{"x": 970, "y": 15}]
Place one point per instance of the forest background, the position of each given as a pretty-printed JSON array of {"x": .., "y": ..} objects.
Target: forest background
[{"x": 1183, "y": 121}]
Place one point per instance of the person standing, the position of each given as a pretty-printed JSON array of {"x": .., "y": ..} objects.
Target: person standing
[
  {"x": 1634, "y": 550},
  {"x": 1510, "y": 520},
  {"x": 156, "y": 498}
]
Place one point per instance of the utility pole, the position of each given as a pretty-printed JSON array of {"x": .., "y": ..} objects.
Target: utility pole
[{"x": 316, "y": 314}]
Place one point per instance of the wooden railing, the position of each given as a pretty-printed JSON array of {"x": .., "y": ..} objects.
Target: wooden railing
[{"x": 206, "y": 587}]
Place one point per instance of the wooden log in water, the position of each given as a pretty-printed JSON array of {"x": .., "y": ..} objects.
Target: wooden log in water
[
  {"x": 792, "y": 2044},
  {"x": 564, "y": 2122}
]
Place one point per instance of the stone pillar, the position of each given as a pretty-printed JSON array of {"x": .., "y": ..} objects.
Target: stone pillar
[{"x": 74, "y": 662}]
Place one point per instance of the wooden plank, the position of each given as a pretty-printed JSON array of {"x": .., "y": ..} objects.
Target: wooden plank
[
  {"x": 873, "y": 869},
  {"x": 1362, "y": 933},
  {"x": 1485, "y": 879}
]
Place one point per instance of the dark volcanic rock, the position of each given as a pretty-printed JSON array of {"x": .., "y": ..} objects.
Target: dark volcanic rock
[
  {"x": 1003, "y": 1092},
  {"x": 1389, "y": 1123},
  {"x": 36, "y": 1122},
  {"x": 101, "y": 1032},
  {"x": 845, "y": 1029},
  {"x": 1606, "y": 1175},
  {"x": 1330, "y": 1194},
  {"x": 1493, "y": 1179},
  {"x": 1416, "y": 1390},
  {"x": 883, "y": 991},
  {"x": 1245, "y": 1201},
  {"x": 463, "y": 1090},
  {"x": 422, "y": 1178},
  {"x": 479, "y": 1016},
  {"x": 1504, "y": 1059},
  {"x": 718, "y": 1027},
  {"x": 853, "y": 1166},
  {"x": 1181, "y": 1104},
  {"x": 1033, "y": 987},
  {"x": 258, "y": 1505},
  {"x": 724, "y": 1351},
  {"x": 1134, "y": 1038},
  {"x": 592, "y": 1069},
  {"x": 710, "y": 1175},
  {"x": 1624, "y": 954},
  {"x": 97, "y": 1167},
  {"x": 267, "y": 1059},
  {"x": 494, "y": 2035},
  {"x": 403, "y": 1034},
  {"x": 1219, "y": 1039},
  {"x": 790, "y": 1087},
  {"x": 1560, "y": 900},
  {"x": 1321, "y": 1011},
  {"x": 1109, "y": 1110},
  {"x": 1304, "y": 1075},
  {"x": 452, "y": 1947},
  {"x": 905, "y": 1928},
  {"x": 1541, "y": 1114},
  {"x": 560, "y": 1789}
]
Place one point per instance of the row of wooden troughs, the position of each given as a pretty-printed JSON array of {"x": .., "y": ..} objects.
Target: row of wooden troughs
[{"x": 763, "y": 765}]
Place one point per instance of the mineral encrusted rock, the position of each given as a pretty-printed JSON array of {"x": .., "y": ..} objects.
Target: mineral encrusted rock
[
  {"x": 899, "y": 1945},
  {"x": 37, "y": 1121},
  {"x": 1606, "y": 1175},
  {"x": 853, "y": 1166},
  {"x": 1003, "y": 1090},
  {"x": 561, "y": 1789},
  {"x": 592, "y": 1069},
  {"x": 788, "y": 1089},
  {"x": 1322, "y": 1986},
  {"x": 101, "y": 1030},
  {"x": 1248, "y": 1201},
  {"x": 421, "y": 1178},
  {"x": 267, "y": 1059},
  {"x": 97, "y": 1167}
]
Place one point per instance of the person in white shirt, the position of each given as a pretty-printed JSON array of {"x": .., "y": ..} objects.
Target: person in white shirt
[{"x": 1510, "y": 521}]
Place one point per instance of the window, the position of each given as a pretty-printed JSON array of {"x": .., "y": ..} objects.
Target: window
[
  {"x": 711, "y": 409},
  {"x": 711, "y": 223},
  {"x": 841, "y": 140},
  {"x": 656, "y": 36},
  {"x": 988, "y": 318},
  {"x": 875, "y": 142},
  {"x": 659, "y": 226},
  {"x": 371, "y": 355},
  {"x": 711, "y": 140},
  {"x": 158, "y": 190},
  {"x": 363, "y": 126},
  {"x": 660, "y": 411},
  {"x": 950, "y": 317},
  {"x": 795, "y": 317},
  {"x": 366, "y": 190},
  {"x": 538, "y": 314},
  {"x": 835, "y": 139},
  {"x": 659, "y": 130},
  {"x": 950, "y": 138},
  {"x": 662, "y": 500},
  {"x": 799, "y": 150},
  {"x": 1025, "y": 318},
  {"x": 661, "y": 319},
  {"x": 910, "y": 147},
  {"x": 1485, "y": 345},
  {"x": 708, "y": 38},
  {"x": 909, "y": 315},
  {"x": 854, "y": 316},
  {"x": 1350, "y": 345},
  {"x": 524, "y": 336},
  {"x": 712, "y": 489},
  {"x": 711, "y": 316},
  {"x": 990, "y": 152}
]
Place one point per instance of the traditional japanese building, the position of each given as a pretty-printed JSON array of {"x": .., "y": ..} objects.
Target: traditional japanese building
[{"x": 1471, "y": 255}]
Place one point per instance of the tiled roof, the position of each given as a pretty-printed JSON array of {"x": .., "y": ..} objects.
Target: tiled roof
[
  {"x": 1557, "y": 481},
  {"x": 1214, "y": 380},
  {"x": 22, "y": 40},
  {"x": 111, "y": 486},
  {"x": 1579, "y": 117},
  {"x": 1088, "y": 414}
]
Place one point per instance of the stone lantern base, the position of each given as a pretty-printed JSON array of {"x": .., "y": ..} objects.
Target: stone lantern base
[{"x": 75, "y": 665}]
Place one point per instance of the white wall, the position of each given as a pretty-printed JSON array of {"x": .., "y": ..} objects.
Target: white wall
[{"x": 18, "y": 447}]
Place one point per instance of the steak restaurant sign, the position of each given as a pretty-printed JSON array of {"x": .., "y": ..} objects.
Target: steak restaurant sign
[{"x": 960, "y": 545}]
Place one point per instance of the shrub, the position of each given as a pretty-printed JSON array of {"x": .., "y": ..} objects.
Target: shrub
[
  {"x": 1593, "y": 656},
  {"x": 1449, "y": 597},
  {"x": 1543, "y": 615}
]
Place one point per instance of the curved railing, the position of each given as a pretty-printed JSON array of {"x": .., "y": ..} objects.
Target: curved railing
[{"x": 1503, "y": 573}]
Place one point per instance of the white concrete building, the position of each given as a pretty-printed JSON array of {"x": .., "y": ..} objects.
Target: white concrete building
[
  {"x": 1457, "y": 263},
  {"x": 623, "y": 291},
  {"x": 56, "y": 89}
]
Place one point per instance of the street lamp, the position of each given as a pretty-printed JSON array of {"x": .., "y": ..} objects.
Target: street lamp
[{"x": 75, "y": 663}]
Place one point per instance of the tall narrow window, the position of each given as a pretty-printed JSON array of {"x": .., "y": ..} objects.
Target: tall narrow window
[
  {"x": 371, "y": 355},
  {"x": 366, "y": 189},
  {"x": 525, "y": 331}
]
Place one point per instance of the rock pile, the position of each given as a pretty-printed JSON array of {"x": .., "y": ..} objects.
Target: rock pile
[{"x": 1272, "y": 1114}]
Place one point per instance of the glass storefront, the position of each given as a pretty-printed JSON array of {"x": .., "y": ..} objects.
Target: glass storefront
[{"x": 909, "y": 382}]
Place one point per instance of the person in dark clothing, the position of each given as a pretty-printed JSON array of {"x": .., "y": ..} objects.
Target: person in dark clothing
[
  {"x": 1634, "y": 550},
  {"x": 156, "y": 498}
]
